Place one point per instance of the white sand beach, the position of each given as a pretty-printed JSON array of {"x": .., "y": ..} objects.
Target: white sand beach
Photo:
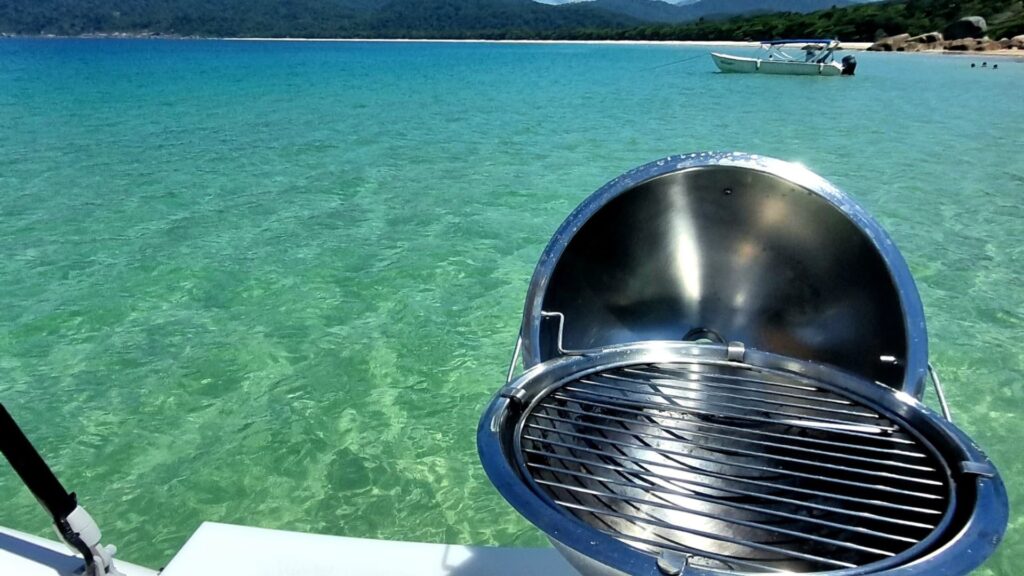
[
  {"x": 725, "y": 43},
  {"x": 849, "y": 46}
]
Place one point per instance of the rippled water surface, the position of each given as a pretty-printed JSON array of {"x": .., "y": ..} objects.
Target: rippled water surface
[{"x": 276, "y": 283}]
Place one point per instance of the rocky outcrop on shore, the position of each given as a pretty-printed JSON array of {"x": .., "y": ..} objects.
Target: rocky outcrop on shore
[
  {"x": 895, "y": 43},
  {"x": 968, "y": 27},
  {"x": 964, "y": 35}
]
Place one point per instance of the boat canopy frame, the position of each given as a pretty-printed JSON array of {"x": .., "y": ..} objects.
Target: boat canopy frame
[
  {"x": 828, "y": 42},
  {"x": 819, "y": 51}
]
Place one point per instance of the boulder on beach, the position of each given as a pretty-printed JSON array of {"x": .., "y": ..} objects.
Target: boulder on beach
[
  {"x": 962, "y": 44},
  {"x": 987, "y": 44},
  {"x": 929, "y": 41},
  {"x": 967, "y": 27},
  {"x": 891, "y": 44},
  {"x": 929, "y": 38},
  {"x": 1017, "y": 42}
]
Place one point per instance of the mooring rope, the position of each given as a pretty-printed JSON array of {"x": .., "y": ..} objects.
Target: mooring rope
[{"x": 674, "y": 63}]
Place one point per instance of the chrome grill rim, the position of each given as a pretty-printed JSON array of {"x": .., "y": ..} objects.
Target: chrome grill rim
[{"x": 500, "y": 431}]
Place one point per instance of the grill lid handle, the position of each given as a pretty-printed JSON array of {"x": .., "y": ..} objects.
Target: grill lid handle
[
  {"x": 938, "y": 392},
  {"x": 515, "y": 358}
]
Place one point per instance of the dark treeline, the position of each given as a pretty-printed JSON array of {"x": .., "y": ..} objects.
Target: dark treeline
[
  {"x": 301, "y": 18},
  {"x": 489, "y": 19},
  {"x": 858, "y": 23}
]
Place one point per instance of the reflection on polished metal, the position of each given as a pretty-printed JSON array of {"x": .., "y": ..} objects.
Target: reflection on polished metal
[
  {"x": 724, "y": 359},
  {"x": 744, "y": 247}
]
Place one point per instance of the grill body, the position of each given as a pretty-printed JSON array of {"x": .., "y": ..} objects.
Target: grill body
[
  {"x": 762, "y": 464},
  {"x": 724, "y": 358},
  {"x": 734, "y": 247}
]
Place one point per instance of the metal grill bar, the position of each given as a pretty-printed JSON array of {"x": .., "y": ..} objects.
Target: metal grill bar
[
  {"x": 675, "y": 385},
  {"x": 788, "y": 380},
  {"x": 733, "y": 479},
  {"x": 796, "y": 415},
  {"x": 590, "y": 491},
  {"x": 798, "y": 423},
  {"x": 650, "y": 519},
  {"x": 751, "y": 453},
  {"x": 712, "y": 380},
  {"x": 769, "y": 497},
  {"x": 727, "y": 381},
  {"x": 791, "y": 381},
  {"x": 671, "y": 454},
  {"x": 733, "y": 465},
  {"x": 748, "y": 466},
  {"x": 709, "y": 535},
  {"x": 674, "y": 438},
  {"x": 739, "y": 506},
  {"x": 789, "y": 437}
]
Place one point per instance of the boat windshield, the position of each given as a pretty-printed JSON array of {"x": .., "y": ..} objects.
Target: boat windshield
[{"x": 814, "y": 53}]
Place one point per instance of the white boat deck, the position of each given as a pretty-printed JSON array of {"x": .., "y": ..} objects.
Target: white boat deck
[
  {"x": 27, "y": 555},
  {"x": 225, "y": 549}
]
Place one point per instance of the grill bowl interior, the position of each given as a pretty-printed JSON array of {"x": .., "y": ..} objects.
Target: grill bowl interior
[
  {"x": 773, "y": 465},
  {"x": 742, "y": 247}
]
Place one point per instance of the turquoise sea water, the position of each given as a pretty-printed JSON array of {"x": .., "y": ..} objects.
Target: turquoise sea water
[{"x": 276, "y": 283}]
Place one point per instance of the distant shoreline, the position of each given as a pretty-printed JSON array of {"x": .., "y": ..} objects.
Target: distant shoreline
[
  {"x": 851, "y": 46},
  {"x": 732, "y": 43},
  {"x": 728, "y": 43}
]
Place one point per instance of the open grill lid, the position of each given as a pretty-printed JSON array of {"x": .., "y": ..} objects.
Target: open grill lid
[{"x": 730, "y": 247}]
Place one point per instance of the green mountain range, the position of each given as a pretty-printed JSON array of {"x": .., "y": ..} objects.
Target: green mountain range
[
  {"x": 498, "y": 19},
  {"x": 663, "y": 12},
  {"x": 372, "y": 18}
]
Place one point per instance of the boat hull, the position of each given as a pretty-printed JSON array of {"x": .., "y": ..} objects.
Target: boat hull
[
  {"x": 727, "y": 63},
  {"x": 225, "y": 550}
]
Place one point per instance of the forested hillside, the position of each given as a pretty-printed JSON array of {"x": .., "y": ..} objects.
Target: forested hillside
[
  {"x": 861, "y": 22},
  {"x": 600, "y": 19}
]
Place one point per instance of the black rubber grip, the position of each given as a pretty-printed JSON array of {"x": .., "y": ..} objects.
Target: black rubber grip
[{"x": 33, "y": 471}]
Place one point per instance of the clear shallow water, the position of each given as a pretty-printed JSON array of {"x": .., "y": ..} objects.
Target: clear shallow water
[{"x": 276, "y": 284}]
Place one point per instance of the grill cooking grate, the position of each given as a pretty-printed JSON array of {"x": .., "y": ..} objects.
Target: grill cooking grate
[{"x": 740, "y": 468}]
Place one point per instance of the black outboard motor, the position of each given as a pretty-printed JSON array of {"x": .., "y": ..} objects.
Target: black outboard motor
[{"x": 849, "y": 65}]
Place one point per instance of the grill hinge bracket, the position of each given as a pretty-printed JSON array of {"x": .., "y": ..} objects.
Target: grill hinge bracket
[
  {"x": 672, "y": 563},
  {"x": 983, "y": 469},
  {"x": 735, "y": 351},
  {"x": 515, "y": 395}
]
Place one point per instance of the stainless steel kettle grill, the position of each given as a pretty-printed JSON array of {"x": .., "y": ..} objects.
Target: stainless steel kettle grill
[{"x": 724, "y": 359}]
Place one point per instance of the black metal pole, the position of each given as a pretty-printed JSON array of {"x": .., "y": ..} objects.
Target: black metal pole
[{"x": 33, "y": 471}]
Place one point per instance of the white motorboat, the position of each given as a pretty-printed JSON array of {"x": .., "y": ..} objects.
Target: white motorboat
[{"x": 818, "y": 59}]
